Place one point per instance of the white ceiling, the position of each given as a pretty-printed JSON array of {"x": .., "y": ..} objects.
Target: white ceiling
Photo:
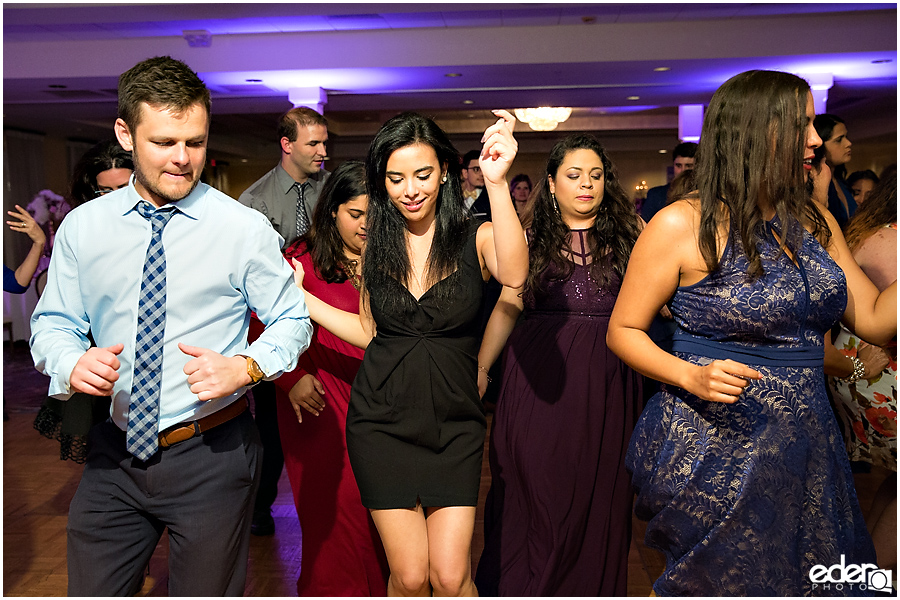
[{"x": 374, "y": 60}]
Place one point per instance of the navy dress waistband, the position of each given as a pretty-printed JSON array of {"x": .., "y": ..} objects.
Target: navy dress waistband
[{"x": 788, "y": 356}]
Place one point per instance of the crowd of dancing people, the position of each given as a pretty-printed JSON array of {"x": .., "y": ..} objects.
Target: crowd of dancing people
[{"x": 739, "y": 458}]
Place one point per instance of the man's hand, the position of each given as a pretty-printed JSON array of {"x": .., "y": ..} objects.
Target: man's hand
[
  {"x": 95, "y": 373},
  {"x": 212, "y": 375}
]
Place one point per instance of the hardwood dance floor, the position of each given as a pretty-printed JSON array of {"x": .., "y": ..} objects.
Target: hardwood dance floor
[{"x": 37, "y": 489}]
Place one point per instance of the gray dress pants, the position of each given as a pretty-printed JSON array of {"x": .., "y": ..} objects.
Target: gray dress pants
[{"x": 201, "y": 489}]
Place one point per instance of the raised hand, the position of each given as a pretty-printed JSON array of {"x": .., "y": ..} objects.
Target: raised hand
[
  {"x": 307, "y": 394},
  {"x": 722, "y": 381},
  {"x": 96, "y": 371},
  {"x": 27, "y": 225},
  {"x": 212, "y": 375},
  {"x": 499, "y": 149}
]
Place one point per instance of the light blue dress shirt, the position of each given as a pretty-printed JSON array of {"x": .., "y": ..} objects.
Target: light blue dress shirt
[{"x": 223, "y": 260}]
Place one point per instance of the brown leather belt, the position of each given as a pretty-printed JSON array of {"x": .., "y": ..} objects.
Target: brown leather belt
[{"x": 185, "y": 431}]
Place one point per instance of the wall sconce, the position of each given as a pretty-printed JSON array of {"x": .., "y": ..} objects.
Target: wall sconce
[{"x": 544, "y": 118}]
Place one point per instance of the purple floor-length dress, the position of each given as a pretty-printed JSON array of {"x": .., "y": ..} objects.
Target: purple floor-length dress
[{"x": 558, "y": 514}]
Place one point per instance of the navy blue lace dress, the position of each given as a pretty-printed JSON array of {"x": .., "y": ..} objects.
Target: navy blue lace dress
[{"x": 745, "y": 498}]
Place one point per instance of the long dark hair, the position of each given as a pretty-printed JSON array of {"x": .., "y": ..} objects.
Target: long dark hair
[
  {"x": 879, "y": 209},
  {"x": 825, "y": 124},
  {"x": 98, "y": 158},
  {"x": 752, "y": 144},
  {"x": 387, "y": 255},
  {"x": 323, "y": 240},
  {"x": 615, "y": 228}
]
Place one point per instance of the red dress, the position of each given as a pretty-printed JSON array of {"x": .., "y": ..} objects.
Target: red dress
[{"x": 342, "y": 553}]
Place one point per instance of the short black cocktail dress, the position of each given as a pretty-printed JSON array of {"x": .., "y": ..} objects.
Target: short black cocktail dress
[{"x": 415, "y": 425}]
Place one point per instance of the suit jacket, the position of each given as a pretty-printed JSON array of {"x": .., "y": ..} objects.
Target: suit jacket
[
  {"x": 482, "y": 206},
  {"x": 655, "y": 201}
]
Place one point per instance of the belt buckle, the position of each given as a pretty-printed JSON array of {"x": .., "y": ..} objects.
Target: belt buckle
[{"x": 180, "y": 434}]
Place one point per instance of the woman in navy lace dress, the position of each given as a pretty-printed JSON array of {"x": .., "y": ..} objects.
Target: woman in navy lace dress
[{"x": 738, "y": 461}]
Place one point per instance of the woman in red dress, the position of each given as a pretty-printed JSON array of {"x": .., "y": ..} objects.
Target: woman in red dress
[{"x": 342, "y": 554}]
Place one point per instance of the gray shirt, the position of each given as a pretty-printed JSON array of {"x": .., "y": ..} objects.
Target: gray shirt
[{"x": 274, "y": 195}]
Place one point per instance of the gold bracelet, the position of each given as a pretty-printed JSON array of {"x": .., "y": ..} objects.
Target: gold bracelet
[{"x": 482, "y": 368}]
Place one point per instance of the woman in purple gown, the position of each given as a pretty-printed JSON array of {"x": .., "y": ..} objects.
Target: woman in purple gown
[
  {"x": 738, "y": 462},
  {"x": 557, "y": 517}
]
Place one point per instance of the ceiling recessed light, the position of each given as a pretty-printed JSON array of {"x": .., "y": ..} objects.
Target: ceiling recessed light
[
  {"x": 881, "y": 60},
  {"x": 633, "y": 98},
  {"x": 663, "y": 151},
  {"x": 661, "y": 69},
  {"x": 57, "y": 86},
  {"x": 453, "y": 75},
  {"x": 253, "y": 80},
  {"x": 243, "y": 160},
  {"x": 468, "y": 102}
]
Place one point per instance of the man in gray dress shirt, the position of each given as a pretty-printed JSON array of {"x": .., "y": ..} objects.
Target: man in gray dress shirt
[{"x": 302, "y": 133}]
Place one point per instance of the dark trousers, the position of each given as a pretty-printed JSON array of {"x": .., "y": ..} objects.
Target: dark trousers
[
  {"x": 273, "y": 458},
  {"x": 201, "y": 489}
]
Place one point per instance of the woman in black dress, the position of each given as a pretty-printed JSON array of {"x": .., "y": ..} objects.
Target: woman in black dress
[{"x": 415, "y": 425}]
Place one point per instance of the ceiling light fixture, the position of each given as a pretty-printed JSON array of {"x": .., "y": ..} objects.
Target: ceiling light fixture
[
  {"x": 544, "y": 118},
  {"x": 453, "y": 75},
  {"x": 661, "y": 69},
  {"x": 633, "y": 98},
  {"x": 197, "y": 38},
  {"x": 468, "y": 102}
]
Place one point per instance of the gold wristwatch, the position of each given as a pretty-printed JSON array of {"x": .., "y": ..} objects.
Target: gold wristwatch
[{"x": 256, "y": 374}]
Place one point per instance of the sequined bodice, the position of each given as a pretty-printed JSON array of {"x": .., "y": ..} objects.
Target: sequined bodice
[
  {"x": 578, "y": 294},
  {"x": 790, "y": 305}
]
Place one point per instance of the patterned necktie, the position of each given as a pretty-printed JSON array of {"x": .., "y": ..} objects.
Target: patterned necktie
[
  {"x": 143, "y": 415},
  {"x": 302, "y": 218}
]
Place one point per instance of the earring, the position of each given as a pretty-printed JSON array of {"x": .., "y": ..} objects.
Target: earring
[{"x": 444, "y": 179}]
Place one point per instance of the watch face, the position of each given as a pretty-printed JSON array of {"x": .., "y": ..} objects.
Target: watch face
[{"x": 256, "y": 374}]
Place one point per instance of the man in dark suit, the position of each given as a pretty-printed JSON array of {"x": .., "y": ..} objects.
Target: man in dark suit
[
  {"x": 474, "y": 195},
  {"x": 682, "y": 160}
]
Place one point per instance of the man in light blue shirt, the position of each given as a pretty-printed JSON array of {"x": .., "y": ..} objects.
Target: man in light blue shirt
[{"x": 221, "y": 261}]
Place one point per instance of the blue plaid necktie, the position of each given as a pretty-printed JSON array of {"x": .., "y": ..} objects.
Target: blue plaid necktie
[
  {"x": 302, "y": 217},
  {"x": 143, "y": 414}
]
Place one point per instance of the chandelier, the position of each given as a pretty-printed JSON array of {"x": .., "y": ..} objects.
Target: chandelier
[{"x": 544, "y": 118}]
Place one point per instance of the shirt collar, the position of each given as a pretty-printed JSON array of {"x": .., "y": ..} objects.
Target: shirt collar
[
  {"x": 189, "y": 205},
  {"x": 286, "y": 182}
]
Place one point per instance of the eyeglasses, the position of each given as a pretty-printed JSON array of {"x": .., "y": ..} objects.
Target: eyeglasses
[
  {"x": 475, "y": 169},
  {"x": 106, "y": 190}
]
